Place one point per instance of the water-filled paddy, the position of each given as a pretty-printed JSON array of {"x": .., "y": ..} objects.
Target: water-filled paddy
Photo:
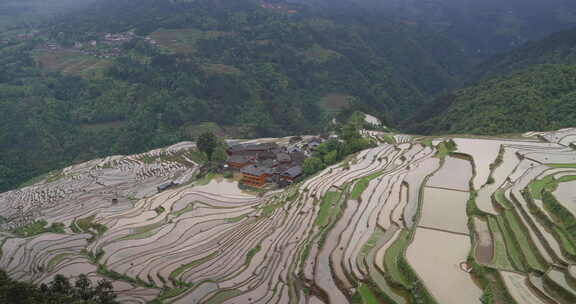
[
  {"x": 454, "y": 174},
  {"x": 436, "y": 257},
  {"x": 445, "y": 209},
  {"x": 566, "y": 194}
]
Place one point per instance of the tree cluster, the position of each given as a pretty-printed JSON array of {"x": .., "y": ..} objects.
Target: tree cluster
[
  {"x": 59, "y": 291},
  {"x": 335, "y": 150}
]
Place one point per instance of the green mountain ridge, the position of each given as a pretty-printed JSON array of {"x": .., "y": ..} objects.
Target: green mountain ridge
[{"x": 531, "y": 88}]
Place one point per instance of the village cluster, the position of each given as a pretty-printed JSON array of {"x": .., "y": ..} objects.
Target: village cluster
[
  {"x": 106, "y": 46},
  {"x": 262, "y": 163}
]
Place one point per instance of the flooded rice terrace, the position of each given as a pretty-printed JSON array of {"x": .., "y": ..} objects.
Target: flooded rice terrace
[{"x": 398, "y": 223}]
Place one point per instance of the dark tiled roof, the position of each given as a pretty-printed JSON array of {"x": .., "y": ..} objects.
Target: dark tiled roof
[
  {"x": 269, "y": 163},
  {"x": 283, "y": 157},
  {"x": 266, "y": 155},
  {"x": 293, "y": 172},
  {"x": 238, "y": 159},
  {"x": 298, "y": 157},
  {"x": 256, "y": 170},
  {"x": 293, "y": 149},
  {"x": 252, "y": 147},
  {"x": 166, "y": 185}
]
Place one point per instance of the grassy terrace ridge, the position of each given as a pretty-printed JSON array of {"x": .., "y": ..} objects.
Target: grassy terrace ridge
[
  {"x": 501, "y": 200},
  {"x": 497, "y": 162},
  {"x": 537, "y": 186},
  {"x": 37, "y": 228},
  {"x": 367, "y": 296},
  {"x": 362, "y": 184},
  {"x": 392, "y": 255},
  {"x": 327, "y": 207},
  {"x": 143, "y": 231},
  {"x": 251, "y": 253},
  {"x": 519, "y": 233},
  {"x": 501, "y": 259},
  {"x": 566, "y": 242},
  {"x": 223, "y": 295},
  {"x": 513, "y": 248},
  {"x": 174, "y": 274}
]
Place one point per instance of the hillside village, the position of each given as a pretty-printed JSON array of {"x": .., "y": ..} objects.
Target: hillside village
[
  {"x": 104, "y": 45},
  {"x": 263, "y": 163}
]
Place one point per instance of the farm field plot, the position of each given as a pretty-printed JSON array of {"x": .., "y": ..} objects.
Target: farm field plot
[
  {"x": 398, "y": 223},
  {"x": 72, "y": 62},
  {"x": 445, "y": 177},
  {"x": 566, "y": 194},
  {"x": 445, "y": 210},
  {"x": 436, "y": 257}
]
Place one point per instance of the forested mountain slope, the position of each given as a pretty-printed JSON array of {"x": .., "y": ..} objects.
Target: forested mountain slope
[
  {"x": 531, "y": 88},
  {"x": 253, "y": 68},
  {"x": 483, "y": 27},
  {"x": 14, "y": 12}
]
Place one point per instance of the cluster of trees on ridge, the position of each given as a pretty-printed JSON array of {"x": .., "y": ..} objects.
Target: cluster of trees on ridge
[
  {"x": 335, "y": 150},
  {"x": 59, "y": 291}
]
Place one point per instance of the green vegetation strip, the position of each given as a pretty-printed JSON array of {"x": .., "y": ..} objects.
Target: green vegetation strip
[
  {"x": 512, "y": 247},
  {"x": 367, "y": 296},
  {"x": 251, "y": 253},
  {"x": 103, "y": 270},
  {"x": 168, "y": 293},
  {"x": 188, "y": 208},
  {"x": 537, "y": 186},
  {"x": 567, "y": 244},
  {"x": 57, "y": 259},
  {"x": 501, "y": 199},
  {"x": 174, "y": 274},
  {"x": 393, "y": 254},
  {"x": 37, "y": 228},
  {"x": 500, "y": 259},
  {"x": 389, "y": 139},
  {"x": 562, "y": 217},
  {"x": 140, "y": 235},
  {"x": 327, "y": 208},
  {"x": 362, "y": 184},
  {"x": 522, "y": 237},
  {"x": 223, "y": 295},
  {"x": 236, "y": 219},
  {"x": 401, "y": 274},
  {"x": 445, "y": 148}
]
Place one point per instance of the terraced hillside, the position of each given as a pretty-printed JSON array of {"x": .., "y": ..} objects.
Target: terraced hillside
[{"x": 414, "y": 220}]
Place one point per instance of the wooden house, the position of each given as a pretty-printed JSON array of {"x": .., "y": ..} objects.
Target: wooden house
[
  {"x": 239, "y": 161},
  {"x": 255, "y": 176},
  {"x": 291, "y": 174}
]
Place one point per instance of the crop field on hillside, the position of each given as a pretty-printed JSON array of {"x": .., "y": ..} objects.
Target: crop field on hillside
[
  {"x": 402, "y": 223},
  {"x": 72, "y": 62}
]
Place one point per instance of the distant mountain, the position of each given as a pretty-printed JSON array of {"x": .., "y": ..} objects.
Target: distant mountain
[
  {"x": 483, "y": 27},
  {"x": 15, "y": 12},
  {"x": 531, "y": 88}
]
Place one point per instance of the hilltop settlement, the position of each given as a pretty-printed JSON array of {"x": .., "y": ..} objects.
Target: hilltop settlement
[{"x": 262, "y": 163}]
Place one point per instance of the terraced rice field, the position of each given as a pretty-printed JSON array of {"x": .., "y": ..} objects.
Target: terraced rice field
[{"x": 402, "y": 224}]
